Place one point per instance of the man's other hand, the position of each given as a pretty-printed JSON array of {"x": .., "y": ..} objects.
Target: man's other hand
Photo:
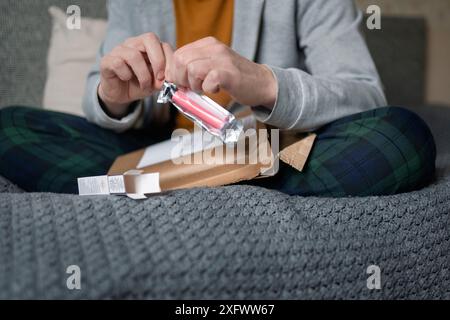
[{"x": 132, "y": 71}]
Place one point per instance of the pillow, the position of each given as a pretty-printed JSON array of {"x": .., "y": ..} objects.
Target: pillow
[{"x": 71, "y": 55}]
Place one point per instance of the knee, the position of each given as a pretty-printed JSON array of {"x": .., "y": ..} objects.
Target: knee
[
  {"x": 412, "y": 147},
  {"x": 415, "y": 130},
  {"x": 9, "y": 116},
  {"x": 404, "y": 118},
  {"x": 379, "y": 152}
]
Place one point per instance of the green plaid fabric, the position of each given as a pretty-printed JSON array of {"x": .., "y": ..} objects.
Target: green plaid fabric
[
  {"x": 47, "y": 151},
  {"x": 378, "y": 152}
]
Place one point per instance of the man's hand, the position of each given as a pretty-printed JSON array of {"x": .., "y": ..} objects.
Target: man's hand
[
  {"x": 208, "y": 65},
  {"x": 132, "y": 71}
]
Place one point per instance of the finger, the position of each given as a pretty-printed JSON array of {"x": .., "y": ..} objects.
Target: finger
[
  {"x": 197, "y": 72},
  {"x": 211, "y": 84},
  {"x": 116, "y": 67},
  {"x": 200, "y": 43},
  {"x": 168, "y": 54},
  {"x": 217, "y": 79},
  {"x": 155, "y": 54},
  {"x": 185, "y": 58},
  {"x": 136, "y": 43},
  {"x": 135, "y": 60},
  {"x": 189, "y": 55}
]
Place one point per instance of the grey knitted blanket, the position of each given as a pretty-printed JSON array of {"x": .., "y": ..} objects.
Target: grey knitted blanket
[{"x": 234, "y": 242}]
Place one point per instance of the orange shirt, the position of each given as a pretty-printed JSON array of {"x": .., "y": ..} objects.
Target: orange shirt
[{"x": 197, "y": 19}]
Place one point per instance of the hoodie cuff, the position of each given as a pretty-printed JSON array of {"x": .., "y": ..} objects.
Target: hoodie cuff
[
  {"x": 107, "y": 122},
  {"x": 288, "y": 105}
]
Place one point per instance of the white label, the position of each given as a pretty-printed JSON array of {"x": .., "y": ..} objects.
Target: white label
[
  {"x": 93, "y": 186},
  {"x": 116, "y": 185}
]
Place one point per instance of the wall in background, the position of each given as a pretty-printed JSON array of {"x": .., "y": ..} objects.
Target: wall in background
[{"x": 437, "y": 15}]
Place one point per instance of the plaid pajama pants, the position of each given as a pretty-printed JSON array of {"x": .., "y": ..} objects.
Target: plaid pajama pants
[{"x": 378, "y": 152}]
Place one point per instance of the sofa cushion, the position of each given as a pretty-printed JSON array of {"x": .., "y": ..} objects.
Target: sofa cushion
[
  {"x": 70, "y": 58},
  {"x": 398, "y": 50}
]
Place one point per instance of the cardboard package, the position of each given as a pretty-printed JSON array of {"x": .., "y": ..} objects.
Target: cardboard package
[{"x": 183, "y": 171}]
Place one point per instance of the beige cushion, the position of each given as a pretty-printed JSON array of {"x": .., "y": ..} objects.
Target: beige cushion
[{"x": 71, "y": 55}]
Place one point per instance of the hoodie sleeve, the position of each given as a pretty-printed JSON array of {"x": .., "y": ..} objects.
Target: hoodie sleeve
[{"x": 340, "y": 78}]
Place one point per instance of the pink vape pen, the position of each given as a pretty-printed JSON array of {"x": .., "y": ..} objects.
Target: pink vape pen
[{"x": 203, "y": 111}]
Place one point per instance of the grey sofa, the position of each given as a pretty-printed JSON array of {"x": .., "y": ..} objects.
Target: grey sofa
[{"x": 237, "y": 242}]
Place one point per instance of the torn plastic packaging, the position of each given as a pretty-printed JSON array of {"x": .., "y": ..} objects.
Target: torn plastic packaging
[{"x": 203, "y": 111}]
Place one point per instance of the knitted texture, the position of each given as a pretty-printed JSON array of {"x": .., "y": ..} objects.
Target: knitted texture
[{"x": 235, "y": 242}]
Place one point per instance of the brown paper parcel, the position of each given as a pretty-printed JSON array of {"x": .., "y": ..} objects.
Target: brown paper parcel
[{"x": 183, "y": 173}]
